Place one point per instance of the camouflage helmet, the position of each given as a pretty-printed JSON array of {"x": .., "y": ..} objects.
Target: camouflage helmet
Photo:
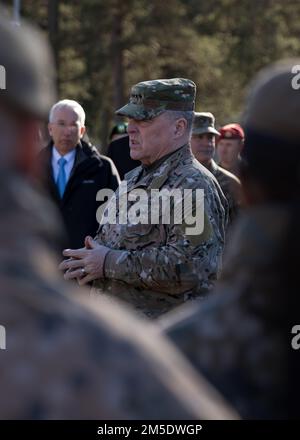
[
  {"x": 272, "y": 128},
  {"x": 120, "y": 128},
  {"x": 27, "y": 69},
  {"x": 149, "y": 99},
  {"x": 204, "y": 122}
]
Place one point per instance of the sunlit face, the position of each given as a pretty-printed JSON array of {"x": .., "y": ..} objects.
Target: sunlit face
[
  {"x": 203, "y": 147},
  {"x": 228, "y": 152},
  {"x": 66, "y": 129},
  {"x": 150, "y": 140}
]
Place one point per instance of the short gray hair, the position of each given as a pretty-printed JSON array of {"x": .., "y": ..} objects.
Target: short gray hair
[
  {"x": 68, "y": 103},
  {"x": 187, "y": 115}
]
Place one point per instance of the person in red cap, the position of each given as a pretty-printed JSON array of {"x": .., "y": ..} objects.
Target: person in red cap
[{"x": 229, "y": 147}]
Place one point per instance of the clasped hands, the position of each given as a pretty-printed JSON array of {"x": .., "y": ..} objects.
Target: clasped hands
[{"x": 85, "y": 264}]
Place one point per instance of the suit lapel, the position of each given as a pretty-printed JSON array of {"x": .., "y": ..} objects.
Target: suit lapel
[
  {"x": 80, "y": 158},
  {"x": 80, "y": 162},
  {"x": 46, "y": 161}
]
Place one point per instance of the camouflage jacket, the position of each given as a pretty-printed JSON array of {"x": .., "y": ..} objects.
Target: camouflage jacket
[
  {"x": 155, "y": 267},
  {"x": 236, "y": 337},
  {"x": 231, "y": 187},
  {"x": 65, "y": 359}
]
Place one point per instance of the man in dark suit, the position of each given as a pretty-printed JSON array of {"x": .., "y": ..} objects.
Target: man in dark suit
[{"x": 75, "y": 172}]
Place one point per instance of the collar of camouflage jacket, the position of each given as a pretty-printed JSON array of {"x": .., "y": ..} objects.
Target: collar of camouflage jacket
[
  {"x": 157, "y": 176},
  {"x": 149, "y": 168}
]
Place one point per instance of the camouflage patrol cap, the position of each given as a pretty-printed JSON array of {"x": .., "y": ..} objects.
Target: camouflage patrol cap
[
  {"x": 204, "y": 122},
  {"x": 149, "y": 99},
  {"x": 27, "y": 69}
]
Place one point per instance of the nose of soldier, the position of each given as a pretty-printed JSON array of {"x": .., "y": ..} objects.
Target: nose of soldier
[{"x": 132, "y": 126}]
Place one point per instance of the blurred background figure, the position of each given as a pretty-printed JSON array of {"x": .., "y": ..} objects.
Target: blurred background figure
[
  {"x": 75, "y": 172},
  {"x": 229, "y": 146},
  {"x": 240, "y": 338},
  {"x": 119, "y": 151},
  {"x": 118, "y": 131},
  {"x": 203, "y": 144},
  {"x": 63, "y": 360}
]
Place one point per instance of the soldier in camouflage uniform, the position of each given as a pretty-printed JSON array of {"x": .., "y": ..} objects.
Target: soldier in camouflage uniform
[
  {"x": 156, "y": 267},
  {"x": 240, "y": 338},
  {"x": 203, "y": 145},
  {"x": 63, "y": 360}
]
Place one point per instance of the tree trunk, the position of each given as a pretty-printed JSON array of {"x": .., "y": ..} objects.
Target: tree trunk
[
  {"x": 53, "y": 24},
  {"x": 117, "y": 56}
]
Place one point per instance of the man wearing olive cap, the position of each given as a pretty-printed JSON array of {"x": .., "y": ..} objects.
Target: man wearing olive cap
[
  {"x": 245, "y": 337},
  {"x": 156, "y": 267},
  {"x": 203, "y": 147}
]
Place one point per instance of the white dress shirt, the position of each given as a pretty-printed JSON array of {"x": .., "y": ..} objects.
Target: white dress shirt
[{"x": 69, "y": 157}]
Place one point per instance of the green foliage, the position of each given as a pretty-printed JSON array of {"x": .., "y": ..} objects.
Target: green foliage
[{"x": 104, "y": 46}]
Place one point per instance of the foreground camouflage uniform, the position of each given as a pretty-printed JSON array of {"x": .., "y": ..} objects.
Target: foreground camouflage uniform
[
  {"x": 241, "y": 338},
  {"x": 236, "y": 338},
  {"x": 62, "y": 361},
  {"x": 159, "y": 266},
  {"x": 156, "y": 267}
]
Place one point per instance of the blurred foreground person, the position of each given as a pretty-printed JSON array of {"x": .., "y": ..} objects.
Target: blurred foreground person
[
  {"x": 241, "y": 337},
  {"x": 59, "y": 360},
  {"x": 203, "y": 144}
]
